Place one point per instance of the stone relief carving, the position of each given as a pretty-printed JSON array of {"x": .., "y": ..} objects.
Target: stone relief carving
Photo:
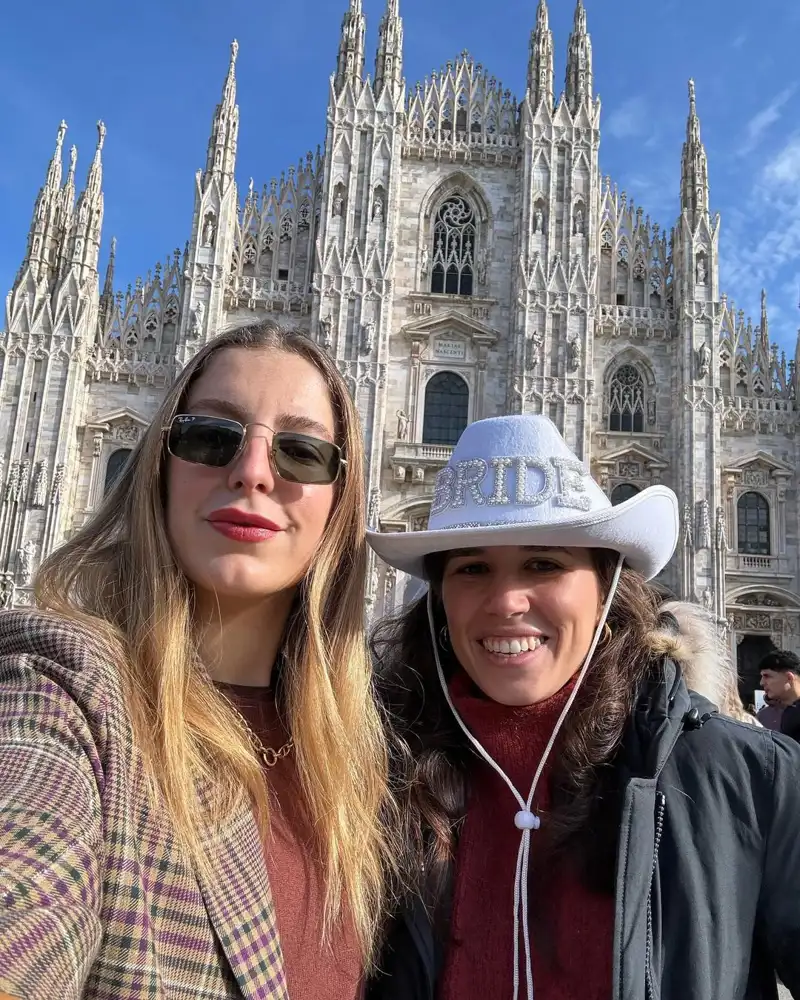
[
  {"x": 126, "y": 432},
  {"x": 759, "y": 601},
  {"x": 755, "y": 476}
]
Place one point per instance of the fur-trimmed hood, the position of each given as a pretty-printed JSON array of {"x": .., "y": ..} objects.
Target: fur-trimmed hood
[{"x": 704, "y": 656}]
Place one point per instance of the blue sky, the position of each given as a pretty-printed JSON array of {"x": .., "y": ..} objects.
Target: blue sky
[{"x": 153, "y": 71}]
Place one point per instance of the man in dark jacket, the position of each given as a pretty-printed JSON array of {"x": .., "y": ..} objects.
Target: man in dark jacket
[{"x": 780, "y": 678}]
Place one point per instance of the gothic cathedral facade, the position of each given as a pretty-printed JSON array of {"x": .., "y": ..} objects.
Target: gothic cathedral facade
[{"x": 460, "y": 255}]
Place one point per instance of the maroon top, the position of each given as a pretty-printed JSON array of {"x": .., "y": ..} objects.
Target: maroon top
[
  {"x": 297, "y": 888},
  {"x": 572, "y": 928}
]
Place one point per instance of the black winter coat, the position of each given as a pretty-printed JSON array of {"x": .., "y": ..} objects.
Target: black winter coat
[{"x": 708, "y": 867}]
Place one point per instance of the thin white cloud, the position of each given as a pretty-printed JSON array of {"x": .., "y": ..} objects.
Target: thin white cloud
[
  {"x": 760, "y": 123},
  {"x": 761, "y": 246},
  {"x": 629, "y": 120},
  {"x": 739, "y": 41}
]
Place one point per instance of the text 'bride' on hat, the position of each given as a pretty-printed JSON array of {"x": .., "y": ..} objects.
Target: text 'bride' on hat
[{"x": 514, "y": 481}]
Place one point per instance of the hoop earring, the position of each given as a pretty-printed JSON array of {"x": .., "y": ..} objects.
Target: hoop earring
[
  {"x": 608, "y": 635},
  {"x": 444, "y": 638}
]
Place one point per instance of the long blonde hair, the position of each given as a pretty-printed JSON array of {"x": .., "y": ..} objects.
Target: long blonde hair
[{"x": 118, "y": 576}]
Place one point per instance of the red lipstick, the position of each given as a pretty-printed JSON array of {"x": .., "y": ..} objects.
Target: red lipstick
[{"x": 243, "y": 526}]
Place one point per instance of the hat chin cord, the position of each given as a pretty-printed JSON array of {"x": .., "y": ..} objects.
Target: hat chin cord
[{"x": 525, "y": 820}]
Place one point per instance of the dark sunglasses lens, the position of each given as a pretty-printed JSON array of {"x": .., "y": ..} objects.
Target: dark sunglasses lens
[
  {"x": 205, "y": 440},
  {"x": 302, "y": 459}
]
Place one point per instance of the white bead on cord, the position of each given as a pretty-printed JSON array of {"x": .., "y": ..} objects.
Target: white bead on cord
[{"x": 526, "y": 821}]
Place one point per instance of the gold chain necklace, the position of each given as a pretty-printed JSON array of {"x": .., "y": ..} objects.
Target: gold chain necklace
[{"x": 267, "y": 754}]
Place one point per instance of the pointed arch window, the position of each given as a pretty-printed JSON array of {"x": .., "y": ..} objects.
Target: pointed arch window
[
  {"x": 753, "y": 523},
  {"x": 454, "y": 235},
  {"x": 446, "y": 409},
  {"x": 627, "y": 401}
]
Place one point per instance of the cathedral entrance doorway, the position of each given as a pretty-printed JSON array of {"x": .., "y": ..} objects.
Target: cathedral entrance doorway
[{"x": 750, "y": 651}]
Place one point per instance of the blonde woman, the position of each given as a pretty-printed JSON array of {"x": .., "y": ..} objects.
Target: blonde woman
[{"x": 191, "y": 764}]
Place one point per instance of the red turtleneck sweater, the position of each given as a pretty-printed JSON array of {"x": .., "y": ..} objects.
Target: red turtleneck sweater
[{"x": 572, "y": 928}]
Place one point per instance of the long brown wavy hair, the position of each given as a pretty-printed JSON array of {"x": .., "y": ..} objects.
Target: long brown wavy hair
[
  {"x": 431, "y": 756},
  {"x": 118, "y": 577}
]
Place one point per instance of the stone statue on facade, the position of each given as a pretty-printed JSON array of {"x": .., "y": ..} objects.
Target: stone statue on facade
[
  {"x": 326, "y": 326},
  {"x": 40, "y": 486},
  {"x": 402, "y": 425},
  {"x": 483, "y": 266},
  {"x": 25, "y": 562},
  {"x": 703, "y": 357},
  {"x": 196, "y": 321},
  {"x": 377, "y": 210},
  {"x": 722, "y": 532},
  {"x": 579, "y": 223},
  {"x": 701, "y": 271},
  {"x": 6, "y": 592},
  {"x": 338, "y": 203},
  {"x": 57, "y": 487},
  {"x": 425, "y": 265},
  {"x": 209, "y": 231},
  {"x": 574, "y": 354},
  {"x": 374, "y": 509},
  {"x": 538, "y": 221},
  {"x": 368, "y": 337}
]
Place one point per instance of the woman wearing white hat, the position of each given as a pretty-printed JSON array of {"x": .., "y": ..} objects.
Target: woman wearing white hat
[{"x": 582, "y": 821}]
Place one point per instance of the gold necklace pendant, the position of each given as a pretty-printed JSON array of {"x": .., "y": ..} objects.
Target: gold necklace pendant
[
  {"x": 271, "y": 757},
  {"x": 267, "y": 754}
]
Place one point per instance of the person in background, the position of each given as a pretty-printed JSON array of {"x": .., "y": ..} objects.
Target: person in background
[
  {"x": 582, "y": 821},
  {"x": 780, "y": 678},
  {"x": 770, "y": 715},
  {"x": 192, "y": 763}
]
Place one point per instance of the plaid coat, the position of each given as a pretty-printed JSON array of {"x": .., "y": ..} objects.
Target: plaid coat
[{"x": 96, "y": 900}]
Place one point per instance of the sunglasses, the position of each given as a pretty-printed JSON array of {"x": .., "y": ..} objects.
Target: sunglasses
[{"x": 217, "y": 442}]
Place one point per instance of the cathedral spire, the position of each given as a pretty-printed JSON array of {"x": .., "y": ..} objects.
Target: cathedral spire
[
  {"x": 350, "y": 67},
  {"x": 579, "y": 62},
  {"x": 694, "y": 168},
  {"x": 389, "y": 61},
  {"x": 67, "y": 211},
  {"x": 540, "y": 64},
  {"x": 764, "y": 322},
  {"x": 43, "y": 235},
  {"x": 107, "y": 298},
  {"x": 221, "y": 161},
  {"x": 88, "y": 219}
]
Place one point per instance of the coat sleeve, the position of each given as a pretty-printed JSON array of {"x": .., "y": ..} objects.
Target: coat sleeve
[
  {"x": 779, "y": 904},
  {"x": 50, "y": 834}
]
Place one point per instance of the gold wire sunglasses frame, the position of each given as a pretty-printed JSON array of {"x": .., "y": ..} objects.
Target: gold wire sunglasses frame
[{"x": 217, "y": 442}]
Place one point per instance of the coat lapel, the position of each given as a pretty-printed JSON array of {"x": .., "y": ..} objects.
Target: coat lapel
[
  {"x": 634, "y": 872},
  {"x": 239, "y": 902}
]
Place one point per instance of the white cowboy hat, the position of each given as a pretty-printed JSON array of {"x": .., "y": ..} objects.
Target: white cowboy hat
[{"x": 514, "y": 481}]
